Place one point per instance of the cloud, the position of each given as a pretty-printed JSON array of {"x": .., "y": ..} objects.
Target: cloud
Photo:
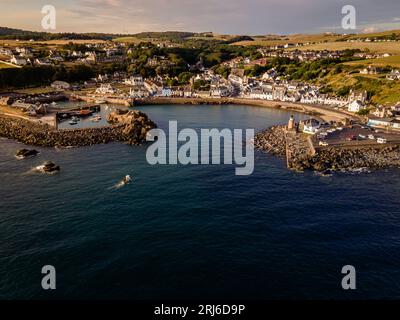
[
  {"x": 369, "y": 30},
  {"x": 102, "y": 3},
  {"x": 233, "y": 16}
]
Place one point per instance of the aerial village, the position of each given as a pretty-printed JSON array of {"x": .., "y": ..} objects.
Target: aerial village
[{"x": 360, "y": 120}]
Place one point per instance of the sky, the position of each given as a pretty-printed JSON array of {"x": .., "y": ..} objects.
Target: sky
[{"x": 252, "y": 17}]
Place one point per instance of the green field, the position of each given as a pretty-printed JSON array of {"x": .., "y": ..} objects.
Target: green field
[
  {"x": 272, "y": 40},
  {"x": 373, "y": 47},
  {"x": 129, "y": 40},
  {"x": 393, "y": 61}
]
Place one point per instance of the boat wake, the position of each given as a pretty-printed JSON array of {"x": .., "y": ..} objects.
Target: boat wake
[{"x": 356, "y": 170}]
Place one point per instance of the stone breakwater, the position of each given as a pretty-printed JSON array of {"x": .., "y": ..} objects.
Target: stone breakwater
[
  {"x": 133, "y": 132},
  {"x": 338, "y": 159},
  {"x": 272, "y": 140},
  {"x": 300, "y": 157}
]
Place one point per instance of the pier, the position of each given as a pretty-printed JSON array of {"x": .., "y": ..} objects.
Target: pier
[
  {"x": 298, "y": 147},
  {"x": 66, "y": 113},
  {"x": 111, "y": 100}
]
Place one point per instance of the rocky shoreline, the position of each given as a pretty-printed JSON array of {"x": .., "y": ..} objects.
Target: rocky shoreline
[
  {"x": 274, "y": 141},
  {"x": 337, "y": 159},
  {"x": 132, "y": 132}
]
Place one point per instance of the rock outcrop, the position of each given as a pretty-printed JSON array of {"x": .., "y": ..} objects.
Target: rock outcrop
[
  {"x": 135, "y": 125},
  {"x": 50, "y": 167},
  {"x": 26, "y": 153}
]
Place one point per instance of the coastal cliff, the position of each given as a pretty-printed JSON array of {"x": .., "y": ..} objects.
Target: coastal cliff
[
  {"x": 132, "y": 132},
  {"x": 301, "y": 156}
]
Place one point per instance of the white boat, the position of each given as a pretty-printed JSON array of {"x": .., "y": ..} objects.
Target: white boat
[
  {"x": 123, "y": 182},
  {"x": 73, "y": 122},
  {"x": 127, "y": 179},
  {"x": 96, "y": 118}
]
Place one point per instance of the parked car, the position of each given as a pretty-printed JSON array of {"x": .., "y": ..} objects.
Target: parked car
[{"x": 381, "y": 140}]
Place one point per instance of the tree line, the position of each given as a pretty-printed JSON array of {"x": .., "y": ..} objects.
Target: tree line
[{"x": 34, "y": 76}]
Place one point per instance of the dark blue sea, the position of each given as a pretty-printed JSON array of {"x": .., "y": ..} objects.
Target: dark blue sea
[{"x": 194, "y": 231}]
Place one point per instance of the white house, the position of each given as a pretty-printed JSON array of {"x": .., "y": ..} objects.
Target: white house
[
  {"x": 236, "y": 81},
  {"x": 382, "y": 112},
  {"x": 279, "y": 93},
  {"x": 18, "y": 61},
  {"x": 393, "y": 75},
  {"x": 43, "y": 62},
  {"x": 136, "y": 80},
  {"x": 6, "y": 52},
  {"x": 77, "y": 54},
  {"x": 356, "y": 106},
  {"x": 106, "y": 89},
  {"x": 138, "y": 92},
  {"x": 166, "y": 92},
  {"x": 311, "y": 126},
  {"x": 269, "y": 75},
  {"x": 220, "y": 91}
]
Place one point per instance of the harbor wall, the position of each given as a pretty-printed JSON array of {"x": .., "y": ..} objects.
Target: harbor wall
[
  {"x": 300, "y": 156},
  {"x": 31, "y": 133}
]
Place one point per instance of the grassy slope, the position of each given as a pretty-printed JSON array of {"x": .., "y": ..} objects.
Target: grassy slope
[
  {"x": 129, "y": 40},
  {"x": 393, "y": 61},
  {"x": 373, "y": 35},
  {"x": 294, "y": 38},
  {"x": 384, "y": 91},
  {"x": 375, "y": 47}
]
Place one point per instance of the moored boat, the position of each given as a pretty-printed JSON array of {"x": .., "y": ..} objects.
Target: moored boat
[{"x": 96, "y": 119}]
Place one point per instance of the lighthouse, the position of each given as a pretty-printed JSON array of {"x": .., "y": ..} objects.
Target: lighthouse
[{"x": 291, "y": 124}]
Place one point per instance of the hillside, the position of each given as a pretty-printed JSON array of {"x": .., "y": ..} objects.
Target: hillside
[{"x": 373, "y": 47}]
